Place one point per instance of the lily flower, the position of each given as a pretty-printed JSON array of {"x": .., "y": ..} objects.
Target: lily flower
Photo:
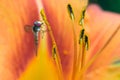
[{"x": 62, "y": 53}]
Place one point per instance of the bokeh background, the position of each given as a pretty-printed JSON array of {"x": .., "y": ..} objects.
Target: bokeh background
[{"x": 109, "y": 5}]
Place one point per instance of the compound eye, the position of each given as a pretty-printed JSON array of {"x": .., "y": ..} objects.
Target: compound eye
[
  {"x": 36, "y": 29},
  {"x": 38, "y": 23}
]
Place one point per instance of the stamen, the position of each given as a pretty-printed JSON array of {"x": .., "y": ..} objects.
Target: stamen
[
  {"x": 54, "y": 49},
  {"x": 83, "y": 50},
  {"x": 80, "y": 49},
  {"x": 99, "y": 52},
  {"x": 70, "y": 11},
  {"x": 83, "y": 47},
  {"x": 81, "y": 22}
]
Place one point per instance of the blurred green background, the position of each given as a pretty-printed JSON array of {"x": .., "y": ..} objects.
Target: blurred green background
[{"x": 110, "y": 5}]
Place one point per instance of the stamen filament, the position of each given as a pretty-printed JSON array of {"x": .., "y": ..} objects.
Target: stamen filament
[
  {"x": 56, "y": 53},
  {"x": 84, "y": 48},
  {"x": 75, "y": 53},
  {"x": 81, "y": 43},
  {"x": 70, "y": 11},
  {"x": 57, "y": 60},
  {"x": 80, "y": 55},
  {"x": 80, "y": 49},
  {"x": 83, "y": 54}
]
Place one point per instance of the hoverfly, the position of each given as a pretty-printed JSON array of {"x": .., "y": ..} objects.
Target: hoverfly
[{"x": 38, "y": 27}]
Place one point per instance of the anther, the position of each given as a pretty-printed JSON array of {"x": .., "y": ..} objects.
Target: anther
[
  {"x": 70, "y": 11},
  {"x": 83, "y": 14},
  {"x": 81, "y": 35},
  {"x": 86, "y": 42},
  {"x": 54, "y": 51},
  {"x": 82, "y": 17}
]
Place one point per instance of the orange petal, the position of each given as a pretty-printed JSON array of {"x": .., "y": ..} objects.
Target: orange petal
[
  {"x": 102, "y": 25},
  {"x": 59, "y": 20},
  {"x": 16, "y": 46}
]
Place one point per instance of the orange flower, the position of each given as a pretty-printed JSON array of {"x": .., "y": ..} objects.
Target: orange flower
[{"x": 57, "y": 49}]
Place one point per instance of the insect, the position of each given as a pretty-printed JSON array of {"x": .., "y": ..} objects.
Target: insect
[{"x": 38, "y": 27}]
